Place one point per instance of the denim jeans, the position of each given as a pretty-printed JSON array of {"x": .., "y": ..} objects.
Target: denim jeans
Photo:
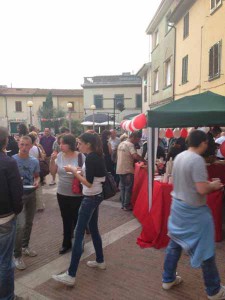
[
  {"x": 209, "y": 269},
  {"x": 126, "y": 185},
  {"x": 24, "y": 223},
  {"x": 88, "y": 214},
  {"x": 7, "y": 237}
]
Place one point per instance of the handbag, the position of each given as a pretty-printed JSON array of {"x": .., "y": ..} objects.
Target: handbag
[
  {"x": 44, "y": 167},
  {"x": 109, "y": 187},
  {"x": 76, "y": 185}
]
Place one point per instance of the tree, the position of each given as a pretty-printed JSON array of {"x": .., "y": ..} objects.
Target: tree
[
  {"x": 47, "y": 111},
  {"x": 76, "y": 127}
]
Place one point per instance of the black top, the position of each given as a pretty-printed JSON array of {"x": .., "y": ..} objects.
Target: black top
[
  {"x": 95, "y": 166},
  {"x": 11, "y": 187}
]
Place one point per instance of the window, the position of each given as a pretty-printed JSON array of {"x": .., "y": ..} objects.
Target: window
[
  {"x": 168, "y": 24},
  {"x": 214, "y": 4},
  {"x": 155, "y": 39},
  {"x": 72, "y": 107},
  {"x": 18, "y": 105},
  {"x": 214, "y": 61},
  {"x": 138, "y": 101},
  {"x": 145, "y": 88},
  {"x": 98, "y": 101},
  {"x": 156, "y": 80},
  {"x": 167, "y": 78},
  {"x": 186, "y": 26},
  {"x": 185, "y": 70},
  {"x": 119, "y": 98}
]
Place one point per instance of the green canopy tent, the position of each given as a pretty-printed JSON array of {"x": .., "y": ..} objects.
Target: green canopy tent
[{"x": 205, "y": 109}]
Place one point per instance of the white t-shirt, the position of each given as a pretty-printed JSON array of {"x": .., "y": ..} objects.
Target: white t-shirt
[{"x": 34, "y": 152}]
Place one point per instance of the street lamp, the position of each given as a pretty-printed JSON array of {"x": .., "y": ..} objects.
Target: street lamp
[
  {"x": 30, "y": 105},
  {"x": 93, "y": 108},
  {"x": 69, "y": 106}
]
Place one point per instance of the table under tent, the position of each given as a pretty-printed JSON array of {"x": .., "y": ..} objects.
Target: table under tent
[{"x": 205, "y": 109}]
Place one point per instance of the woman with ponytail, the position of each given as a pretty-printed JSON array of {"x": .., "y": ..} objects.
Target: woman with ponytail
[{"x": 91, "y": 176}]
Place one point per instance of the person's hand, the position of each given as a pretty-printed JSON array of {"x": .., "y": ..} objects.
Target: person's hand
[
  {"x": 70, "y": 168},
  {"x": 216, "y": 185},
  {"x": 36, "y": 184},
  {"x": 54, "y": 156}
]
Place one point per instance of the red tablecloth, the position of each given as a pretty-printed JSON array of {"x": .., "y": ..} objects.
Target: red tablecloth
[{"x": 154, "y": 223}]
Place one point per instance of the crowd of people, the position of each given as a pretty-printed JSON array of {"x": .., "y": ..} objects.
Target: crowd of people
[{"x": 27, "y": 158}]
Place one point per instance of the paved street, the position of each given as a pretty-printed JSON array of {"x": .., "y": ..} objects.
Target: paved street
[{"x": 132, "y": 273}]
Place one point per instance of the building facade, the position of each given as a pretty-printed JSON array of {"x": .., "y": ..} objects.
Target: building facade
[
  {"x": 200, "y": 52},
  {"x": 105, "y": 92},
  {"x": 145, "y": 74},
  {"x": 14, "y": 108},
  {"x": 162, "y": 54}
]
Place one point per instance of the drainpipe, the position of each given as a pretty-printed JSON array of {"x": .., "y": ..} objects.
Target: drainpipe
[{"x": 174, "y": 58}]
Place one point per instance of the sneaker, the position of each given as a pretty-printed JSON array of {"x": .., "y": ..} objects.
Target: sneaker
[
  {"x": 219, "y": 295},
  {"x": 169, "y": 285},
  {"x": 52, "y": 182},
  {"x": 28, "y": 252},
  {"x": 19, "y": 263},
  {"x": 128, "y": 208},
  {"x": 95, "y": 264},
  {"x": 64, "y": 278}
]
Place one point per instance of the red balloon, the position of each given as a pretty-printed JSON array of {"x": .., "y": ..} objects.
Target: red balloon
[
  {"x": 140, "y": 121},
  {"x": 184, "y": 133},
  {"x": 222, "y": 149},
  {"x": 121, "y": 123},
  {"x": 169, "y": 133}
]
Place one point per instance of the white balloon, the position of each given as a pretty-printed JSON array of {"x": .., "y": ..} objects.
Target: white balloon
[
  {"x": 162, "y": 133},
  {"x": 204, "y": 129},
  {"x": 190, "y": 130},
  {"x": 126, "y": 126},
  {"x": 176, "y": 133}
]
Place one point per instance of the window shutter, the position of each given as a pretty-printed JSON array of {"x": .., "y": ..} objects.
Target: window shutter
[
  {"x": 216, "y": 59},
  {"x": 211, "y": 62}
]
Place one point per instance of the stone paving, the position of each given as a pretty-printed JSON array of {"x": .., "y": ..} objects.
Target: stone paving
[{"x": 132, "y": 273}]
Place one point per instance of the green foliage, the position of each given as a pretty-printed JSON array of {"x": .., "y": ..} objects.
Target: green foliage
[{"x": 76, "y": 127}]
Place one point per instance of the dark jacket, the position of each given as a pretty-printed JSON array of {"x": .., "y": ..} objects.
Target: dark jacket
[{"x": 11, "y": 188}]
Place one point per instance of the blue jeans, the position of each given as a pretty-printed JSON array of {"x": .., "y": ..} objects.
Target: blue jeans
[
  {"x": 7, "y": 237},
  {"x": 209, "y": 269},
  {"x": 88, "y": 214},
  {"x": 126, "y": 185}
]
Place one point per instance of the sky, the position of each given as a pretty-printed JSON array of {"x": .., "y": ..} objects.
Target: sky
[{"x": 56, "y": 43}]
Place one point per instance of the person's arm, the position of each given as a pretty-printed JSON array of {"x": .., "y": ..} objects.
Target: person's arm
[
  {"x": 36, "y": 180},
  {"x": 110, "y": 148},
  {"x": 199, "y": 175},
  {"x": 15, "y": 187},
  {"x": 204, "y": 188},
  {"x": 137, "y": 157},
  {"x": 52, "y": 165},
  {"x": 82, "y": 179}
]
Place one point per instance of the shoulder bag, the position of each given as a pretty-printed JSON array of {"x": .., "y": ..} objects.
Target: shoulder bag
[{"x": 76, "y": 185}]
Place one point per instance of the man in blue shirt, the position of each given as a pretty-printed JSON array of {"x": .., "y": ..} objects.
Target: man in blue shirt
[{"x": 29, "y": 171}]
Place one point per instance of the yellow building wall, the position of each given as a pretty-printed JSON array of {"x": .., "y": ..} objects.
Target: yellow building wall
[
  {"x": 213, "y": 32},
  {"x": 24, "y": 115},
  {"x": 205, "y": 30},
  {"x": 190, "y": 46}
]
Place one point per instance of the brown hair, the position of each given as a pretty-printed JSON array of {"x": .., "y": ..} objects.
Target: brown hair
[{"x": 94, "y": 140}]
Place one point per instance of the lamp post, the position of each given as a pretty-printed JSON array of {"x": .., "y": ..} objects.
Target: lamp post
[
  {"x": 69, "y": 106},
  {"x": 30, "y": 105},
  {"x": 93, "y": 108}
]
